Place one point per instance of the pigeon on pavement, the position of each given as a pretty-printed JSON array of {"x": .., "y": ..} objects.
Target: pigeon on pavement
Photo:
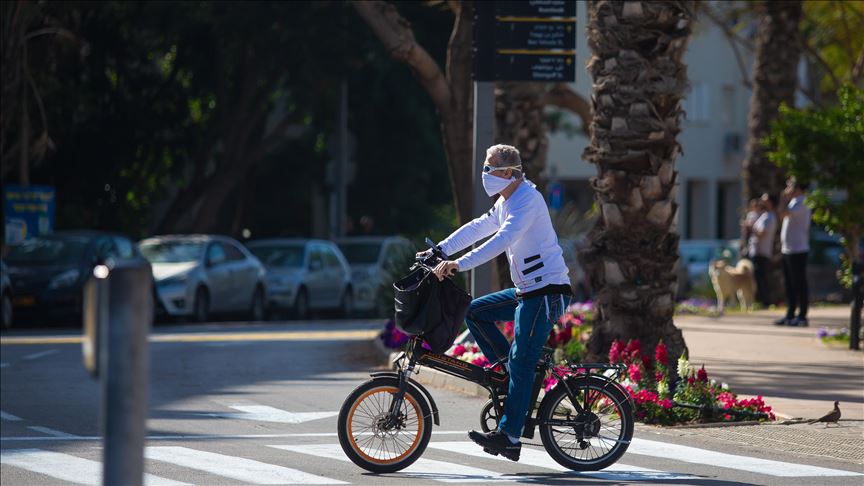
[{"x": 831, "y": 417}]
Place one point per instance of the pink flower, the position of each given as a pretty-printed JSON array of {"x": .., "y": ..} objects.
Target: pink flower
[
  {"x": 665, "y": 403},
  {"x": 658, "y": 376},
  {"x": 634, "y": 372},
  {"x": 660, "y": 353},
  {"x": 481, "y": 361},
  {"x": 615, "y": 351},
  {"x": 550, "y": 382},
  {"x": 459, "y": 350}
]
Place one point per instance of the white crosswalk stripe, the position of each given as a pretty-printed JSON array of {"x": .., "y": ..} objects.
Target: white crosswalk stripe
[
  {"x": 730, "y": 461},
  {"x": 445, "y": 472},
  {"x": 239, "y": 468},
  {"x": 66, "y": 467},
  {"x": 533, "y": 457},
  {"x": 70, "y": 468}
]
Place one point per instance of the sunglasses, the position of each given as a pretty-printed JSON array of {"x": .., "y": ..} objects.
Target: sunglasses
[{"x": 489, "y": 168}]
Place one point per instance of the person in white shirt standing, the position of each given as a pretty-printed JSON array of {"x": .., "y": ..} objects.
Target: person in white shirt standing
[
  {"x": 761, "y": 246},
  {"x": 795, "y": 247},
  {"x": 519, "y": 224}
]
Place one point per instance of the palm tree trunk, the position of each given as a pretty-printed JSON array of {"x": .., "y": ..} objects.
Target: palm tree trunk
[
  {"x": 639, "y": 80},
  {"x": 775, "y": 78}
]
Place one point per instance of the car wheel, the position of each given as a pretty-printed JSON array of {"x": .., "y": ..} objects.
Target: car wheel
[
  {"x": 202, "y": 305},
  {"x": 301, "y": 305},
  {"x": 7, "y": 311},
  {"x": 257, "y": 311},
  {"x": 347, "y": 303}
]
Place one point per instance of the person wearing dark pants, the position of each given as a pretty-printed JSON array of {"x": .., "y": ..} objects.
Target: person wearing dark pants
[
  {"x": 795, "y": 246},
  {"x": 797, "y": 293},
  {"x": 761, "y": 246}
]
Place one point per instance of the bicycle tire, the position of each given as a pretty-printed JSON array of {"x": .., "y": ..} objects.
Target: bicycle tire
[
  {"x": 357, "y": 441},
  {"x": 617, "y": 405}
]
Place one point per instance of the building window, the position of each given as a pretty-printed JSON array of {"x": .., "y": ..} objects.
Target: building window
[{"x": 696, "y": 104}]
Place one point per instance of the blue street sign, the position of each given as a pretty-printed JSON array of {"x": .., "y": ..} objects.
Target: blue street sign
[{"x": 28, "y": 211}]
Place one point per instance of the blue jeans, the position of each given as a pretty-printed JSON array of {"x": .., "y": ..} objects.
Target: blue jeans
[{"x": 533, "y": 320}]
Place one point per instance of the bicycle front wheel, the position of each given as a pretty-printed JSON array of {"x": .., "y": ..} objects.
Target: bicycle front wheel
[
  {"x": 591, "y": 440},
  {"x": 370, "y": 441}
]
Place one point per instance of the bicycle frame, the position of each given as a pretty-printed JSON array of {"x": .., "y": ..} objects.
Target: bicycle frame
[{"x": 496, "y": 382}]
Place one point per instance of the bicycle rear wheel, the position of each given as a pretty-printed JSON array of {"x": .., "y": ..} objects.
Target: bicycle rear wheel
[
  {"x": 599, "y": 436},
  {"x": 363, "y": 433}
]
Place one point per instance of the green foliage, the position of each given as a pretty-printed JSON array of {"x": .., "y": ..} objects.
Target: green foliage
[
  {"x": 832, "y": 29},
  {"x": 826, "y": 147},
  {"x": 163, "y": 94}
]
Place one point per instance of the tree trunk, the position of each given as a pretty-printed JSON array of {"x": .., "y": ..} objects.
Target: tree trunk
[
  {"x": 775, "y": 79},
  {"x": 638, "y": 83}
]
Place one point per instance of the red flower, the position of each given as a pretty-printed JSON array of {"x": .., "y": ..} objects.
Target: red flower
[
  {"x": 634, "y": 372},
  {"x": 615, "y": 351},
  {"x": 691, "y": 380},
  {"x": 658, "y": 376},
  {"x": 633, "y": 346},
  {"x": 660, "y": 353},
  {"x": 701, "y": 374},
  {"x": 665, "y": 403},
  {"x": 459, "y": 350}
]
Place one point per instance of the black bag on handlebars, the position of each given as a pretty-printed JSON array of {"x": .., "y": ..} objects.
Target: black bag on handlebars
[{"x": 430, "y": 308}]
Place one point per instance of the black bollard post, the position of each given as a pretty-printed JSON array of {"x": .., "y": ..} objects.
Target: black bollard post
[
  {"x": 124, "y": 371},
  {"x": 857, "y": 301}
]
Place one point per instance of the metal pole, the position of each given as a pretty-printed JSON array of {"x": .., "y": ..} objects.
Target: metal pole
[
  {"x": 124, "y": 370},
  {"x": 342, "y": 170},
  {"x": 484, "y": 137},
  {"x": 857, "y": 302}
]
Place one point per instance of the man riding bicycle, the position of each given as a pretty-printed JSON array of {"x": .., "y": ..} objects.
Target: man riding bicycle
[{"x": 520, "y": 224}]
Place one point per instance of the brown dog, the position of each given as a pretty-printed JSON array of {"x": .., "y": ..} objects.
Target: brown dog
[{"x": 732, "y": 282}]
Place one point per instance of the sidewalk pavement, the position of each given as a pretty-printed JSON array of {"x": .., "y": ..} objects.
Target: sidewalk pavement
[{"x": 789, "y": 366}]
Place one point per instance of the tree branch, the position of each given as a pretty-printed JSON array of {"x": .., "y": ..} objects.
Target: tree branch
[
  {"x": 396, "y": 35},
  {"x": 733, "y": 38},
  {"x": 815, "y": 55},
  {"x": 858, "y": 68},
  {"x": 563, "y": 97}
]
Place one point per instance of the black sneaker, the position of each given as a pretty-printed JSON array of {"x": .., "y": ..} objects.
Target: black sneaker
[
  {"x": 495, "y": 443},
  {"x": 800, "y": 321},
  {"x": 783, "y": 321}
]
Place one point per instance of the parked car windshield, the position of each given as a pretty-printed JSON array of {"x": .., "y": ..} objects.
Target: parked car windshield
[
  {"x": 54, "y": 251},
  {"x": 171, "y": 251},
  {"x": 361, "y": 253},
  {"x": 279, "y": 255}
]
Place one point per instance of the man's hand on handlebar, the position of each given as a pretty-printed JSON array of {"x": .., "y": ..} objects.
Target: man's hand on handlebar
[{"x": 446, "y": 268}]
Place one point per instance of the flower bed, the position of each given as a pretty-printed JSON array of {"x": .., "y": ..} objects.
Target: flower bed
[
  {"x": 833, "y": 337},
  {"x": 662, "y": 394}
]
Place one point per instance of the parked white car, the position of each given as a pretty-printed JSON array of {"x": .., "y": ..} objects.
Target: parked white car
[
  {"x": 200, "y": 275},
  {"x": 372, "y": 259},
  {"x": 305, "y": 275}
]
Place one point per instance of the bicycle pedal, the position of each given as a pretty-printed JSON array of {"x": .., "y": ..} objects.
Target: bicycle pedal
[{"x": 490, "y": 451}]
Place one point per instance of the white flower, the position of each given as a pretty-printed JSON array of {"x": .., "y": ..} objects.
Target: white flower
[
  {"x": 683, "y": 367},
  {"x": 724, "y": 386},
  {"x": 662, "y": 388}
]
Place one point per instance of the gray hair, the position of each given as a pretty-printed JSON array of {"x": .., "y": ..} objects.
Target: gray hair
[{"x": 505, "y": 156}]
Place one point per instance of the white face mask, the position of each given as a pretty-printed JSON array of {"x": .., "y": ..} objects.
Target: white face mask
[{"x": 493, "y": 185}]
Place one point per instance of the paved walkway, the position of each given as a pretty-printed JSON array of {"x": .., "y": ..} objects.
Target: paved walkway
[{"x": 789, "y": 366}]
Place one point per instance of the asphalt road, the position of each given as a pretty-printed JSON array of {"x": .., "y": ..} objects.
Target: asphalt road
[{"x": 237, "y": 403}]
